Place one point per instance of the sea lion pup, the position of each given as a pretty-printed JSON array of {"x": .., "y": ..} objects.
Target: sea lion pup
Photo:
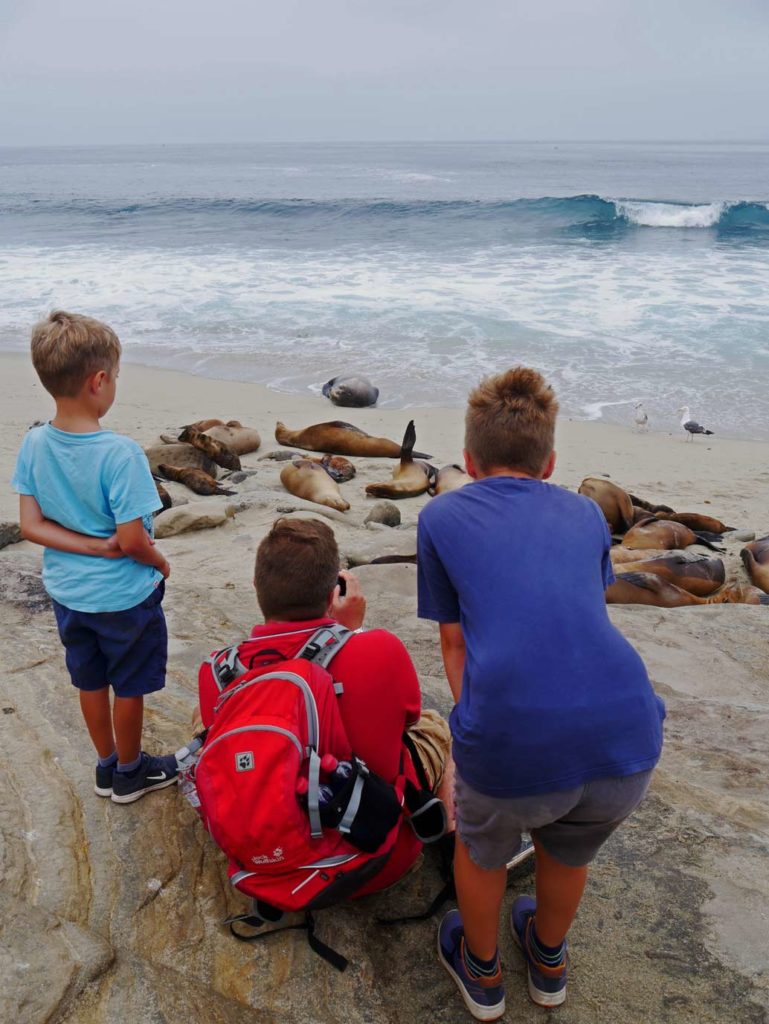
[
  {"x": 449, "y": 478},
  {"x": 695, "y": 573},
  {"x": 755, "y": 558},
  {"x": 180, "y": 456},
  {"x": 220, "y": 453},
  {"x": 239, "y": 439},
  {"x": 410, "y": 478},
  {"x": 695, "y": 521},
  {"x": 195, "y": 479},
  {"x": 613, "y": 501},
  {"x": 337, "y": 466},
  {"x": 664, "y": 534},
  {"x": 310, "y": 480},
  {"x": 340, "y": 438},
  {"x": 352, "y": 392}
]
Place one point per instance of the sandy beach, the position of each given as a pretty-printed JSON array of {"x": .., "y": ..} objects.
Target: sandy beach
[{"x": 121, "y": 907}]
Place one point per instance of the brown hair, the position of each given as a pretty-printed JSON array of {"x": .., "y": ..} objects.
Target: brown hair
[
  {"x": 297, "y": 567},
  {"x": 68, "y": 347},
  {"x": 510, "y": 422}
]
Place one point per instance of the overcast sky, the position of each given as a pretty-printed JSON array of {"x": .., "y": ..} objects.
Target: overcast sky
[{"x": 97, "y": 71}]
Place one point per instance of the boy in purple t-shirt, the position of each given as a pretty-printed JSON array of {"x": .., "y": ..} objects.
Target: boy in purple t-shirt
[{"x": 556, "y": 728}]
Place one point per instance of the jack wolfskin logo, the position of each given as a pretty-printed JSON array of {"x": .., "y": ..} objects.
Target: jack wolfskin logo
[
  {"x": 244, "y": 762},
  {"x": 276, "y": 858}
]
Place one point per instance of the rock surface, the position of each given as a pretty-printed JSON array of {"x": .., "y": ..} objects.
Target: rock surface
[
  {"x": 384, "y": 512},
  {"x": 10, "y": 533},
  {"x": 197, "y": 515}
]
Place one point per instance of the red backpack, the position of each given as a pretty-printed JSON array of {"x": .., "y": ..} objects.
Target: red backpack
[{"x": 303, "y": 821}]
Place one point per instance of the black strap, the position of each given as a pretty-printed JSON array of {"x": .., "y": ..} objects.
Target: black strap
[
  {"x": 308, "y": 925},
  {"x": 419, "y": 768},
  {"x": 445, "y": 847}
]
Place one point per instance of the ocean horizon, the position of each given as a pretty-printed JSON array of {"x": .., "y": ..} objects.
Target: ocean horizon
[{"x": 625, "y": 272}]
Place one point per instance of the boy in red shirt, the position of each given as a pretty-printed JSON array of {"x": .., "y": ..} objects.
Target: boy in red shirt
[{"x": 297, "y": 580}]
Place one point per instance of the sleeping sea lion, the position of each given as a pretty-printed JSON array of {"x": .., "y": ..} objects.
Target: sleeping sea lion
[
  {"x": 698, "y": 522},
  {"x": 664, "y": 534},
  {"x": 353, "y": 392},
  {"x": 612, "y": 500},
  {"x": 755, "y": 558},
  {"x": 449, "y": 478},
  {"x": 220, "y": 453},
  {"x": 650, "y": 589},
  {"x": 239, "y": 439},
  {"x": 206, "y": 424},
  {"x": 697, "y": 574},
  {"x": 337, "y": 466},
  {"x": 340, "y": 438},
  {"x": 164, "y": 496},
  {"x": 310, "y": 480},
  {"x": 196, "y": 479},
  {"x": 410, "y": 478},
  {"x": 180, "y": 456},
  {"x": 641, "y": 515},
  {"x": 648, "y": 505}
]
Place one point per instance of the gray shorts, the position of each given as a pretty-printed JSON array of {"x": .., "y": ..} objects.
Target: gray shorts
[{"x": 571, "y": 825}]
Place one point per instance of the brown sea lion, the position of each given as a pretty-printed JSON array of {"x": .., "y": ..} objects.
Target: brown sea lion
[
  {"x": 337, "y": 466},
  {"x": 220, "y": 453},
  {"x": 449, "y": 478},
  {"x": 197, "y": 480},
  {"x": 339, "y": 438},
  {"x": 641, "y": 515},
  {"x": 206, "y": 424},
  {"x": 181, "y": 456},
  {"x": 649, "y": 589},
  {"x": 697, "y": 574},
  {"x": 649, "y": 506},
  {"x": 310, "y": 480},
  {"x": 239, "y": 439},
  {"x": 664, "y": 534},
  {"x": 613, "y": 501},
  {"x": 410, "y": 478},
  {"x": 164, "y": 496},
  {"x": 755, "y": 558},
  {"x": 695, "y": 521}
]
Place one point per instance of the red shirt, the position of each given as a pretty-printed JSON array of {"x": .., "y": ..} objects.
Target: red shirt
[{"x": 381, "y": 699}]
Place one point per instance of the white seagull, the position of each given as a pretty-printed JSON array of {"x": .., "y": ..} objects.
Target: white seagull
[
  {"x": 641, "y": 418},
  {"x": 691, "y": 426}
]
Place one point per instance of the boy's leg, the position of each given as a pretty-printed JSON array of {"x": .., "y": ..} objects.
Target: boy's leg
[
  {"x": 128, "y": 716},
  {"x": 479, "y": 895},
  {"x": 559, "y": 891},
  {"x": 97, "y": 713}
]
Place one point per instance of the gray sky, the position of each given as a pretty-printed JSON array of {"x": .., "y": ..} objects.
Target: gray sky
[{"x": 97, "y": 71}]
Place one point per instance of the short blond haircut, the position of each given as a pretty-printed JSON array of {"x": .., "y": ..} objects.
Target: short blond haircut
[
  {"x": 68, "y": 347},
  {"x": 510, "y": 422}
]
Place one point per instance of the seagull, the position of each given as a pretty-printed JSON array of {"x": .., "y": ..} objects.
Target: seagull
[
  {"x": 641, "y": 418},
  {"x": 691, "y": 426}
]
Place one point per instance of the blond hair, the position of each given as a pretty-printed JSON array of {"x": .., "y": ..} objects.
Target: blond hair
[
  {"x": 68, "y": 347},
  {"x": 510, "y": 422}
]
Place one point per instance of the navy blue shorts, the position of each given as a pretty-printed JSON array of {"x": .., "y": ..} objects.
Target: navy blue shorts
[{"x": 126, "y": 650}]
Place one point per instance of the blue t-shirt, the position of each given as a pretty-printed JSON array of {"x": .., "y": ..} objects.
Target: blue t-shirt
[
  {"x": 90, "y": 483},
  {"x": 553, "y": 695}
]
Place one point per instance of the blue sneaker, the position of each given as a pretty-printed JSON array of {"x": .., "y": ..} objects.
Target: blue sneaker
[
  {"x": 103, "y": 785},
  {"x": 547, "y": 985},
  {"x": 484, "y": 997},
  {"x": 153, "y": 773}
]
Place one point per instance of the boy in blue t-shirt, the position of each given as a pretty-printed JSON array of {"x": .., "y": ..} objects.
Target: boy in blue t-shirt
[
  {"x": 556, "y": 728},
  {"x": 87, "y": 495}
]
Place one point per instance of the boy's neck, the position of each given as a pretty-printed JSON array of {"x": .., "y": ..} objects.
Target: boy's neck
[
  {"x": 75, "y": 417},
  {"x": 516, "y": 473}
]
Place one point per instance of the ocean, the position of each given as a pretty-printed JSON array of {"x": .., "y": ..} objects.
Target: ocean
[{"x": 625, "y": 272}]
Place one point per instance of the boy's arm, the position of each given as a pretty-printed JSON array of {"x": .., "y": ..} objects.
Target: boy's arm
[
  {"x": 136, "y": 543},
  {"x": 38, "y": 529},
  {"x": 453, "y": 651}
]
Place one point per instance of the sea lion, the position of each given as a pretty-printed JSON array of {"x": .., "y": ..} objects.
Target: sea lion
[
  {"x": 613, "y": 501},
  {"x": 648, "y": 505},
  {"x": 164, "y": 496},
  {"x": 339, "y": 438},
  {"x": 394, "y": 560},
  {"x": 664, "y": 534},
  {"x": 220, "y": 453},
  {"x": 310, "y": 480},
  {"x": 650, "y": 589},
  {"x": 206, "y": 424},
  {"x": 695, "y": 573},
  {"x": 410, "y": 478},
  {"x": 196, "y": 479},
  {"x": 641, "y": 515},
  {"x": 353, "y": 392},
  {"x": 755, "y": 558},
  {"x": 695, "y": 521},
  {"x": 449, "y": 478},
  {"x": 180, "y": 456},
  {"x": 337, "y": 466},
  {"x": 239, "y": 439}
]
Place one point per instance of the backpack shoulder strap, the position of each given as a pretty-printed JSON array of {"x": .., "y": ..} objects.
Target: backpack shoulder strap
[
  {"x": 324, "y": 645},
  {"x": 226, "y": 666}
]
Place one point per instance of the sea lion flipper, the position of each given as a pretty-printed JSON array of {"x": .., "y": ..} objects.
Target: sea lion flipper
[
  {"x": 409, "y": 440},
  {"x": 704, "y": 538},
  {"x": 327, "y": 387}
]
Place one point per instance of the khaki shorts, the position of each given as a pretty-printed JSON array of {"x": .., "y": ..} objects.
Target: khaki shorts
[{"x": 432, "y": 740}]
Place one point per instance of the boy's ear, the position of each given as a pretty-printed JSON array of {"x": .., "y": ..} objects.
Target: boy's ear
[
  {"x": 549, "y": 467},
  {"x": 470, "y": 466},
  {"x": 97, "y": 381}
]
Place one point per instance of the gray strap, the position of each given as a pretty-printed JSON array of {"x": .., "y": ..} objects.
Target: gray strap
[
  {"x": 313, "y": 796},
  {"x": 226, "y": 666},
  {"x": 339, "y": 689},
  {"x": 324, "y": 644},
  {"x": 352, "y": 808}
]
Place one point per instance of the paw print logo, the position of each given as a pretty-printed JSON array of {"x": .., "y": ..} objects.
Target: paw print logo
[
  {"x": 278, "y": 853},
  {"x": 244, "y": 761}
]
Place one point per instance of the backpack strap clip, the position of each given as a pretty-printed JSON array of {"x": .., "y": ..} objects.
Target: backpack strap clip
[
  {"x": 324, "y": 645},
  {"x": 226, "y": 666}
]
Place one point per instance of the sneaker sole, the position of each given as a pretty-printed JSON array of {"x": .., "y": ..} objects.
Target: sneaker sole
[
  {"x": 546, "y": 999},
  {"x": 478, "y": 1011},
  {"x": 102, "y": 792},
  {"x": 129, "y": 798}
]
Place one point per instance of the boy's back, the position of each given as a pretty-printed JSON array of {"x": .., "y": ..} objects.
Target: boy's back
[{"x": 89, "y": 483}]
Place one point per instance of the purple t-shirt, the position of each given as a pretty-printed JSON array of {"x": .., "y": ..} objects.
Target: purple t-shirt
[{"x": 553, "y": 694}]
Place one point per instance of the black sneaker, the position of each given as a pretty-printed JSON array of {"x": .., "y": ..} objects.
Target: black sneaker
[
  {"x": 103, "y": 785},
  {"x": 152, "y": 773}
]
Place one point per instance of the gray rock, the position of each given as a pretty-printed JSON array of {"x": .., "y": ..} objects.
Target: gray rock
[
  {"x": 384, "y": 512},
  {"x": 198, "y": 515},
  {"x": 22, "y": 586},
  {"x": 744, "y": 536},
  {"x": 239, "y": 476},
  {"x": 10, "y": 533},
  {"x": 376, "y": 526}
]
